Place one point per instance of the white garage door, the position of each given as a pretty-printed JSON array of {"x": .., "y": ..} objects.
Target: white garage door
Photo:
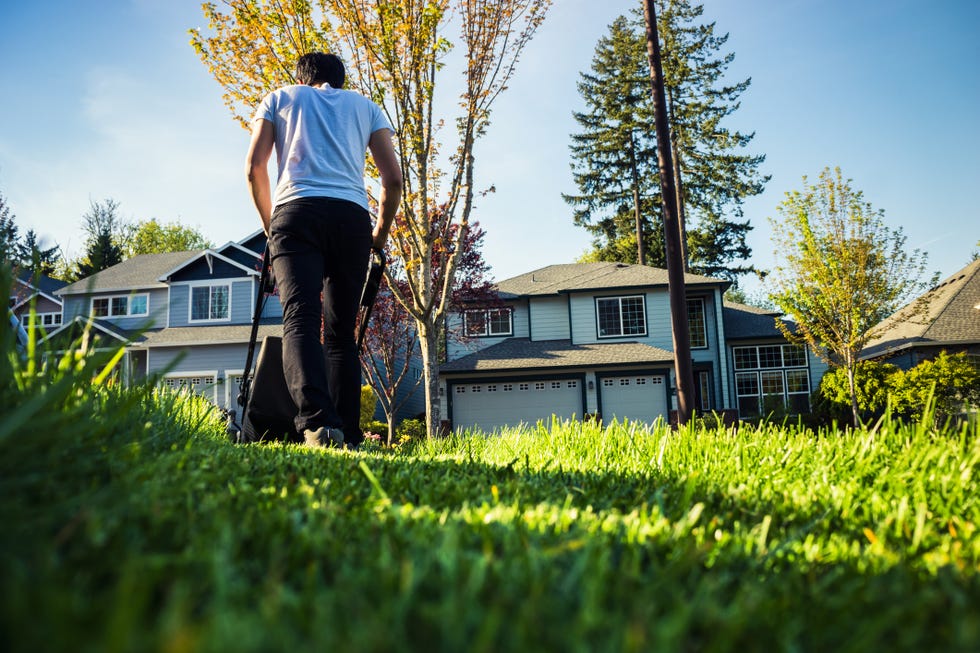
[
  {"x": 492, "y": 406},
  {"x": 642, "y": 398}
]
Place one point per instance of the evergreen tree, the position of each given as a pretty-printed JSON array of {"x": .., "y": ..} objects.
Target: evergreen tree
[
  {"x": 8, "y": 234},
  {"x": 714, "y": 175},
  {"x": 34, "y": 257},
  {"x": 103, "y": 227}
]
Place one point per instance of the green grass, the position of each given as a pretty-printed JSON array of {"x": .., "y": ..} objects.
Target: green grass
[{"x": 129, "y": 523}]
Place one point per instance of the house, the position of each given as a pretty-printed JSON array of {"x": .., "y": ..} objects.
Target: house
[
  {"x": 594, "y": 339},
  {"x": 185, "y": 316},
  {"x": 41, "y": 290},
  {"x": 948, "y": 318}
]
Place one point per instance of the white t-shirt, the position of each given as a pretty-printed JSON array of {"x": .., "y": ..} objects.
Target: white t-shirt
[{"x": 321, "y": 140}]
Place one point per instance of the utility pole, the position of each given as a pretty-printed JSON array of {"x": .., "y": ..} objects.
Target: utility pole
[{"x": 672, "y": 228}]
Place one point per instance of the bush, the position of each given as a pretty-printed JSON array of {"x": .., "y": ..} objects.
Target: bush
[
  {"x": 874, "y": 381},
  {"x": 410, "y": 430},
  {"x": 369, "y": 403},
  {"x": 951, "y": 380},
  {"x": 376, "y": 427}
]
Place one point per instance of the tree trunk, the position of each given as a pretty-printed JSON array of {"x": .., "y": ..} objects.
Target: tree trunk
[
  {"x": 682, "y": 218},
  {"x": 641, "y": 256},
  {"x": 852, "y": 386},
  {"x": 391, "y": 428},
  {"x": 429, "y": 345},
  {"x": 680, "y": 330}
]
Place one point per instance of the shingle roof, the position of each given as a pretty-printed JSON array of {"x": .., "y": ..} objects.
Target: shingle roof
[
  {"x": 138, "y": 272},
  {"x": 569, "y": 277},
  {"x": 743, "y": 321},
  {"x": 951, "y": 315},
  {"x": 521, "y": 353},
  {"x": 208, "y": 335},
  {"x": 42, "y": 282}
]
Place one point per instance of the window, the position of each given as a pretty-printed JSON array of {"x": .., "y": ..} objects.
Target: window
[
  {"x": 491, "y": 322},
  {"x": 522, "y": 386},
  {"x": 766, "y": 379},
  {"x": 621, "y": 316},
  {"x": 47, "y": 320},
  {"x": 508, "y": 387},
  {"x": 703, "y": 390},
  {"x": 573, "y": 384},
  {"x": 696, "y": 323},
  {"x": 121, "y": 306},
  {"x": 210, "y": 303},
  {"x": 539, "y": 385}
]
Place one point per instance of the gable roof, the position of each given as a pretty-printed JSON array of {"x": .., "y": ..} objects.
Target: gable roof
[
  {"x": 31, "y": 285},
  {"x": 743, "y": 322},
  {"x": 524, "y": 354},
  {"x": 951, "y": 316},
  {"x": 208, "y": 255},
  {"x": 575, "y": 277},
  {"x": 141, "y": 271}
]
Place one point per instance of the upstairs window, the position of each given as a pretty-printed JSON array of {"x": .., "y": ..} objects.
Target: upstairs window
[
  {"x": 121, "y": 306},
  {"x": 621, "y": 316},
  {"x": 490, "y": 322},
  {"x": 696, "y": 323},
  {"x": 210, "y": 303}
]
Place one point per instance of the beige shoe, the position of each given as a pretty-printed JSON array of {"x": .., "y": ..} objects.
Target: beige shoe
[{"x": 324, "y": 437}]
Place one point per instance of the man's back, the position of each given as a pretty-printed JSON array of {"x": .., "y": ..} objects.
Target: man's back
[{"x": 321, "y": 136}]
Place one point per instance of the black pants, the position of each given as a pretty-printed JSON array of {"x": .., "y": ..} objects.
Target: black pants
[{"x": 320, "y": 244}]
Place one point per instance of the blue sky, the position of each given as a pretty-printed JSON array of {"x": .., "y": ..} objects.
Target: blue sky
[{"x": 107, "y": 99}]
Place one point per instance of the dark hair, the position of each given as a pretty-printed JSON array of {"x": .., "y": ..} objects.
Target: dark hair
[{"x": 318, "y": 67}]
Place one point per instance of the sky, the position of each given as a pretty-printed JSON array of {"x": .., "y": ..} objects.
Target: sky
[{"x": 107, "y": 99}]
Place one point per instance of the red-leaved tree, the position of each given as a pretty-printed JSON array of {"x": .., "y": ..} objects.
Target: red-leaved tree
[{"x": 391, "y": 341}]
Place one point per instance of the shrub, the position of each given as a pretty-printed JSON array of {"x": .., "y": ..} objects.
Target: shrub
[
  {"x": 874, "y": 381},
  {"x": 951, "y": 380},
  {"x": 369, "y": 402},
  {"x": 410, "y": 430}
]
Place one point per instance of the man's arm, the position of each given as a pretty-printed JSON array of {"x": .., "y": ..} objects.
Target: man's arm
[
  {"x": 386, "y": 161},
  {"x": 257, "y": 169}
]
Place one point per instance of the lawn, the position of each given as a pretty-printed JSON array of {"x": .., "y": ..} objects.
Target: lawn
[{"x": 129, "y": 522}]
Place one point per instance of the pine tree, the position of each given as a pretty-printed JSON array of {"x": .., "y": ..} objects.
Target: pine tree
[
  {"x": 8, "y": 234},
  {"x": 34, "y": 257},
  {"x": 102, "y": 249},
  {"x": 714, "y": 175}
]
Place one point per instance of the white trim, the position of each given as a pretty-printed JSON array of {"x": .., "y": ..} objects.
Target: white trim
[
  {"x": 231, "y": 403},
  {"x": 114, "y": 290},
  {"x": 621, "y": 334},
  {"x": 191, "y": 285},
  {"x": 722, "y": 348},
  {"x": 242, "y": 248},
  {"x": 165, "y": 278},
  {"x": 79, "y": 319},
  {"x": 129, "y": 297}
]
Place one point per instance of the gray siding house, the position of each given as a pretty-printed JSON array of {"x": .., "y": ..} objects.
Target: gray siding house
[
  {"x": 185, "y": 316},
  {"x": 949, "y": 321},
  {"x": 594, "y": 340},
  {"x": 40, "y": 291}
]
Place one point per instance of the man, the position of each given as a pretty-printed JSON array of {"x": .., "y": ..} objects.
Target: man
[{"x": 320, "y": 233}]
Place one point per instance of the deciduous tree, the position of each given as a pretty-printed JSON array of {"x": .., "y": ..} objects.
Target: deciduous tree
[
  {"x": 391, "y": 337},
  {"x": 152, "y": 237},
  {"x": 615, "y": 156},
  {"x": 395, "y": 51},
  {"x": 840, "y": 271}
]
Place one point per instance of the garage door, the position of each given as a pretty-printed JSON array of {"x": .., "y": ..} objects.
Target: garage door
[
  {"x": 641, "y": 398},
  {"x": 492, "y": 406},
  {"x": 202, "y": 384}
]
